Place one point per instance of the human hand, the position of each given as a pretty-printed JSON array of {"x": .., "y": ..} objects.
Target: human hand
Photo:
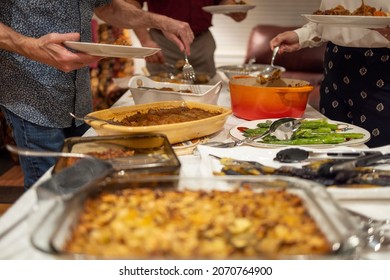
[
  {"x": 288, "y": 42},
  {"x": 178, "y": 32},
  {"x": 155, "y": 58},
  {"x": 238, "y": 17},
  {"x": 49, "y": 49}
]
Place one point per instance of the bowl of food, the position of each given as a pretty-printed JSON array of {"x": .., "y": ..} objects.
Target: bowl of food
[
  {"x": 173, "y": 217},
  {"x": 280, "y": 98},
  {"x": 178, "y": 120},
  {"x": 244, "y": 69},
  {"x": 145, "y": 90}
]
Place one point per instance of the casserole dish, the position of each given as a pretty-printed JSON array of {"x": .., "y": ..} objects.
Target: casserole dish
[
  {"x": 175, "y": 132},
  {"x": 143, "y": 153},
  {"x": 172, "y": 91},
  {"x": 277, "y": 99},
  {"x": 207, "y": 218}
]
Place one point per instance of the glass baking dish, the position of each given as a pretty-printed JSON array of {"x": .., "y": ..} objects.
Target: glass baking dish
[
  {"x": 343, "y": 235},
  {"x": 141, "y": 153}
]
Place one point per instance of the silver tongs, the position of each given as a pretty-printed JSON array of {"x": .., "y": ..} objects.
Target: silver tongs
[{"x": 365, "y": 160}]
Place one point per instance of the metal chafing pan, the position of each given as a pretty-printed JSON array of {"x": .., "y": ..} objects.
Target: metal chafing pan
[
  {"x": 152, "y": 152},
  {"x": 342, "y": 233}
]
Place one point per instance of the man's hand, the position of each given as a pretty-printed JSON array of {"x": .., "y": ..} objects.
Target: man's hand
[
  {"x": 49, "y": 49},
  {"x": 238, "y": 17},
  {"x": 178, "y": 32},
  {"x": 155, "y": 58}
]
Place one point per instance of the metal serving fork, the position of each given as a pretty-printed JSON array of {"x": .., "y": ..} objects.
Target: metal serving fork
[{"x": 190, "y": 76}]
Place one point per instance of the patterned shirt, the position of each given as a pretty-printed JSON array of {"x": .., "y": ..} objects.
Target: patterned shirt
[{"x": 34, "y": 91}]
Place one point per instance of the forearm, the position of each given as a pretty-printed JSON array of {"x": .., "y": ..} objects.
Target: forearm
[
  {"x": 119, "y": 12},
  {"x": 309, "y": 35},
  {"x": 12, "y": 41},
  {"x": 143, "y": 35}
]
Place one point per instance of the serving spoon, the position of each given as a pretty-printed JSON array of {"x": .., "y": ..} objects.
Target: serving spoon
[
  {"x": 90, "y": 118},
  {"x": 282, "y": 128},
  {"x": 270, "y": 73}
]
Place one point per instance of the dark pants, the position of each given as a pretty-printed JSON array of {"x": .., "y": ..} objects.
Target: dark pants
[
  {"x": 32, "y": 136},
  {"x": 201, "y": 58}
]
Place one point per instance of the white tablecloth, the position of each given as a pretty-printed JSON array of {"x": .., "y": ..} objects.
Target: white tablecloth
[{"x": 17, "y": 244}]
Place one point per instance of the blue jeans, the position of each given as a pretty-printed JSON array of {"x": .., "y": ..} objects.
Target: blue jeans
[{"x": 32, "y": 136}]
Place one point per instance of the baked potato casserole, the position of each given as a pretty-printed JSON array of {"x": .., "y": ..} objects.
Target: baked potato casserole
[{"x": 147, "y": 223}]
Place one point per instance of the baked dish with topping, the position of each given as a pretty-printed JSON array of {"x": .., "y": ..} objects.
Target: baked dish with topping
[
  {"x": 179, "y": 120},
  {"x": 147, "y": 223},
  {"x": 167, "y": 116}
]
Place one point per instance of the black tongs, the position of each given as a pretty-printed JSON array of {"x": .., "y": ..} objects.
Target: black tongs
[
  {"x": 365, "y": 160},
  {"x": 66, "y": 184}
]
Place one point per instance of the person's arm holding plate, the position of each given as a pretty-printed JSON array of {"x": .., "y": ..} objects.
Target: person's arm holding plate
[
  {"x": 47, "y": 49},
  {"x": 128, "y": 14}
]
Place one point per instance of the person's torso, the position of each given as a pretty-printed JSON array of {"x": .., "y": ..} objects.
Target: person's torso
[
  {"x": 30, "y": 88},
  {"x": 185, "y": 10}
]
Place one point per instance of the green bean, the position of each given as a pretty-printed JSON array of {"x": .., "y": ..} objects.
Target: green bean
[
  {"x": 264, "y": 125},
  {"x": 350, "y": 135},
  {"x": 310, "y": 132},
  {"x": 254, "y": 131},
  {"x": 308, "y": 141},
  {"x": 317, "y": 124}
]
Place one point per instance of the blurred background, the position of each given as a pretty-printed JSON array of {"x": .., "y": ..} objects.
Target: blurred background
[{"x": 232, "y": 37}]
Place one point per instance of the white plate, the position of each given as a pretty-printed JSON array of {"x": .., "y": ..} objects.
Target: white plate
[
  {"x": 265, "y": 156},
  {"x": 226, "y": 9},
  {"x": 108, "y": 50},
  {"x": 235, "y": 133},
  {"x": 350, "y": 21}
]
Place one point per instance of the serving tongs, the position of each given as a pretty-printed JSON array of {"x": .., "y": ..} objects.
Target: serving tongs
[
  {"x": 66, "y": 184},
  {"x": 44, "y": 153},
  {"x": 329, "y": 169},
  {"x": 282, "y": 129},
  {"x": 296, "y": 155}
]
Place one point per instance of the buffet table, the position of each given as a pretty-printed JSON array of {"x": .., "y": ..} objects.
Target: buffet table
[{"x": 16, "y": 244}]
